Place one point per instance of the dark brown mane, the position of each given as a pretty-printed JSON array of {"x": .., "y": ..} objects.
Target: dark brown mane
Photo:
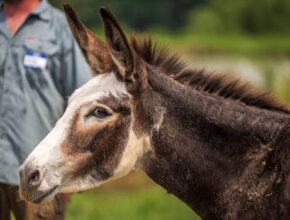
[{"x": 217, "y": 84}]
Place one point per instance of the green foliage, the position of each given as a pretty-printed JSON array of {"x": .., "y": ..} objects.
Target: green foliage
[
  {"x": 248, "y": 16},
  {"x": 210, "y": 16},
  {"x": 204, "y": 21},
  {"x": 214, "y": 43},
  {"x": 277, "y": 79},
  {"x": 151, "y": 203},
  {"x": 140, "y": 15}
]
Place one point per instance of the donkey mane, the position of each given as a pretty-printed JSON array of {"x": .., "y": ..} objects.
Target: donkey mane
[{"x": 217, "y": 84}]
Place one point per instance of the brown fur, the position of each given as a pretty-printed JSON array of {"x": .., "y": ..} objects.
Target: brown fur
[
  {"x": 215, "y": 154},
  {"x": 93, "y": 49},
  {"x": 221, "y": 85},
  {"x": 98, "y": 147}
]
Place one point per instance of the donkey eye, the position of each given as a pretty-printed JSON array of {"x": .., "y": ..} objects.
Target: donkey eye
[{"x": 101, "y": 113}]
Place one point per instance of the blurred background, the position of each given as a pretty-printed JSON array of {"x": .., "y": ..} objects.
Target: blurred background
[{"x": 250, "y": 39}]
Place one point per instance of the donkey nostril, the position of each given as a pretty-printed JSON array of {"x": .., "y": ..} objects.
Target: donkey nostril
[{"x": 34, "y": 178}]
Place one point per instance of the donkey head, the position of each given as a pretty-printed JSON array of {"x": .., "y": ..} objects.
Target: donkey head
[{"x": 97, "y": 139}]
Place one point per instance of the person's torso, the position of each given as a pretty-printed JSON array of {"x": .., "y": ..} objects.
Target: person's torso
[{"x": 31, "y": 91}]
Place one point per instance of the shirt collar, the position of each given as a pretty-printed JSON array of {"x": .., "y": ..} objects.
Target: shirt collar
[{"x": 42, "y": 10}]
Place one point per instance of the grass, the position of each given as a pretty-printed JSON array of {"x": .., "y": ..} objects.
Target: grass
[
  {"x": 134, "y": 197},
  {"x": 151, "y": 203}
]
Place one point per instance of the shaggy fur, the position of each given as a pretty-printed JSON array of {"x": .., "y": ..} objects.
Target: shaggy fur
[{"x": 220, "y": 85}]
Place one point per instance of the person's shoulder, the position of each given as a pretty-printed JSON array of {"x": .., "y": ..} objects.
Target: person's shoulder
[
  {"x": 59, "y": 20},
  {"x": 58, "y": 15}
]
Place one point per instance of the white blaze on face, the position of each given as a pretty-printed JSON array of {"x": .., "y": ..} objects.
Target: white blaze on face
[
  {"x": 49, "y": 155},
  {"x": 135, "y": 149}
]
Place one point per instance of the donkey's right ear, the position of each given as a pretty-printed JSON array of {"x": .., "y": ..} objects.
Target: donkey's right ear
[{"x": 95, "y": 51}]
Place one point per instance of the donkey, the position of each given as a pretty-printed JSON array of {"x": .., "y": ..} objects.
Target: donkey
[{"x": 213, "y": 142}]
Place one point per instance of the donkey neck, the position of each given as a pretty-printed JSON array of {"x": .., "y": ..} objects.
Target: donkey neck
[{"x": 201, "y": 141}]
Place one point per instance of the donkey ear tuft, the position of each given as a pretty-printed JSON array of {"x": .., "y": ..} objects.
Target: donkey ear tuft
[
  {"x": 95, "y": 51},
  {"x": 119, "y": 47}
]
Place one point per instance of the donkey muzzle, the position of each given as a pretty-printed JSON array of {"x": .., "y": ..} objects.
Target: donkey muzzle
[{"x": 34, "y": 186}]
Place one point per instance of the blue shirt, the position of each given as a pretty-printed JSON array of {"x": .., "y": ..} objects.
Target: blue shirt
[{"x": 32, "y": 98}]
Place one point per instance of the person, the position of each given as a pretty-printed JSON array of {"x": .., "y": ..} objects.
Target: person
[{"x": 40, "y": 66}]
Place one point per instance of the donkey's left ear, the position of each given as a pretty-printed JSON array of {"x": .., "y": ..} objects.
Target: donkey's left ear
[{"x": 119, "y": 47}]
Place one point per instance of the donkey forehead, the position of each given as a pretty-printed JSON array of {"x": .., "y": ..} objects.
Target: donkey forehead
[{"x": 103, "y": 85}]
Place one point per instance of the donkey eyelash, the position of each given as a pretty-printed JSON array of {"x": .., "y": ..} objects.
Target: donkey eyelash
[
  {"x": 102, "y": 110},
  {"x": 100, "y": 113}
]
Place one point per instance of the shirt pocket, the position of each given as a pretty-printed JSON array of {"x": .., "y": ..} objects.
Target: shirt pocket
[
  {"x": 46, "y": 46},
  {"x": 49, "y": 49}
]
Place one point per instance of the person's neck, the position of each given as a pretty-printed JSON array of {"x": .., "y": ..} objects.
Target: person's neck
[
  {"x": 22, "y": 7},
  {"x": 17, "y": 12}
]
